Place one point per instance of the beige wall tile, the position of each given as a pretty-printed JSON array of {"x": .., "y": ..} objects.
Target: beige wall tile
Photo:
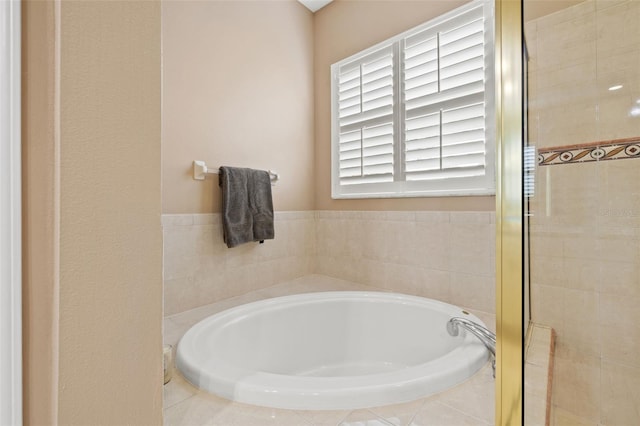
[
  {"x": 582, "y": 274},
  {"x": 619, "y": 248},
  {"x": 199, "y": 269},
  {"x": 564, "y": 417},
  {"x": 615, "y": 120},
  {"x": 546, "y": 244},
  {"x": 617, "y": 27},
  {"x": 620, "y": 278},
  {"x": 373, "y": 273},
  {"x": 432, "y": 245},
  {"x": 559, "y": 125},
  {"x": 620, "y": 394},
  {"x": 546, "y": 305},
  {"x": 565, "y": 15},
  {"x": 621, "y": 346},
  {"x": 576, "y": 385},
  {"x": 535, "y": 380},
  {"x": 436, "y": 284},
  {"x": 411, "y": 252},
  {"x": 534, "y": 409},
  {"x": 548, "y": 271},
  {"x": 582, "y": 246},
  {"x": 473, "y": 291},
  {"x": 563, "y": 79}
]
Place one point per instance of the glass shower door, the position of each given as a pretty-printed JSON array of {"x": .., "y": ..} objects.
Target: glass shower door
[{"x": 584, "y": 115}]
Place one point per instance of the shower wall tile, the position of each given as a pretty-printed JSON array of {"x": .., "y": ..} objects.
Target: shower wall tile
[
  {"x": 617, "y": 26},
  {"x": 561, "y": 17},
  {"x": 620, "y": 395},
  {"x": 576, "y": 383},
  {"x": 558, "y": 78},
  {"x": 619, "y": 279},
  {"x": 199, "y": 269},
  {"x": 603, "y": 4}
]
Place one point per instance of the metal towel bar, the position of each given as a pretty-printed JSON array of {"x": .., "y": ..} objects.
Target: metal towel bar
[{"x": 200, "y": 171}]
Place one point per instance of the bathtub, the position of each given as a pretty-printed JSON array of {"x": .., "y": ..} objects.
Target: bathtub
[{"x": 330, "y": 351}]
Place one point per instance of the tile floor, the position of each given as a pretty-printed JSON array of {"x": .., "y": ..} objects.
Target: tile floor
[{"x": 471, "y": 403}]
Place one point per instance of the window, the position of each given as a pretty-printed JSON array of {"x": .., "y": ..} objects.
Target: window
[
  {"x": 529, "y": 163},
  {"x": 413, "y": 116}
]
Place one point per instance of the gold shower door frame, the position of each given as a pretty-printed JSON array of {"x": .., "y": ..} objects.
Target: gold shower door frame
[{"x": 509, "y": 127}]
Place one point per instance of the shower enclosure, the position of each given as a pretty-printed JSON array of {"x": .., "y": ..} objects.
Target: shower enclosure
[{"x": 584, "y": 212}]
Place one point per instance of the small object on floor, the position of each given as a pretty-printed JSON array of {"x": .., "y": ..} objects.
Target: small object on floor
[{"x": 167, "y": 354}]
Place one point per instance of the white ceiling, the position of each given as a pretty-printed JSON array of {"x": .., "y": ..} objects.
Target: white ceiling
[{"x": 315, "y": 5}]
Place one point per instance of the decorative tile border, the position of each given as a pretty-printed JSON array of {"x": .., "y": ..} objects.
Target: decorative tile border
[{"x": 596, "y": 151}]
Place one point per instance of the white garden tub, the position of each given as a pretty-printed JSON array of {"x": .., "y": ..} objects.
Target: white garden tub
[{"x": 330, "y": 350}]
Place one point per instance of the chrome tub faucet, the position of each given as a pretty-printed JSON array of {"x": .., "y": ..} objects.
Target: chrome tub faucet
[{"x": 485, "y": 335}]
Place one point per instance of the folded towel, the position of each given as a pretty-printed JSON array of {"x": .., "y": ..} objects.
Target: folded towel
[{"x": 247, "y": 206}]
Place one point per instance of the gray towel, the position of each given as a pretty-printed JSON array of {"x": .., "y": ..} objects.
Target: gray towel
[{"x": 247, "y": 207}]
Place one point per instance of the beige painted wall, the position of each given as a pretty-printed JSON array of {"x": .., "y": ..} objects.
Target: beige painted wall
[
  {"x": 237, "y": 91},
  {"x": 40, "y": 226},
  {"x": 109, "y": 365},
  {"x": 346, "y": 27}
]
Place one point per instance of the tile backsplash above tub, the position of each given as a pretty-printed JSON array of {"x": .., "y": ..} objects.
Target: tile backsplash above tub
[
  {"x": 199, "y": 268},
  {"x": 444, "y": 255},
  {"x": 449, "y": 256}
]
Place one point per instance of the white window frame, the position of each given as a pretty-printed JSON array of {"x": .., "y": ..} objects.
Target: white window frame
[{"x": 472, "y": 186}]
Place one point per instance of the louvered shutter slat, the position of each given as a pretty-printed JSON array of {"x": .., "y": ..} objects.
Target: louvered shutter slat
[
  {"x": 462, "y": 55},
  {"x": 376, "y": 73},
  {"x": 445, "y": 174},
  {"x": 465, "y": 83},
  {"x": 471, "y": 148},
  {"x": 463, "y": 67},
  {"x": 450, "y": 45},
  {"x": 346, "y": 172},
  {"x": 350, "y": 155},
  {"x": 348, "y": 102},
  {"x": 427, "y": 153},
  {"x": 428, "y": 78},
  {"x": 422, "y": 165},
  {"x": 349, "y": 86},
  {"x": 420, "y": 69},
  {"x": 467, "y": 160}
]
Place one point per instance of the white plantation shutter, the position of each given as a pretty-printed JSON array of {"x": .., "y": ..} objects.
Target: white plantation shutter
[
  {"x": 413, "y": 116},
  {"x": 444, "y": 72},
  {"x": 365, "y": 118}
]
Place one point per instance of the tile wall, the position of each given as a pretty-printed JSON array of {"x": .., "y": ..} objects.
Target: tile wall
[
  {"x": 585, "y": 222},
  {"x": 448, "y": 256},
  {"x": 199, "y": 269}
]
